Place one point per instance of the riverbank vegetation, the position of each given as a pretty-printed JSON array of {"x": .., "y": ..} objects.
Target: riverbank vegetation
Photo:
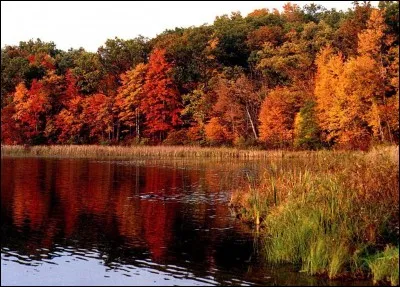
[
  {"x": 335, "y": 214},
  {"x": 96, "y": 151},
  {"x": 301, "y": 77}
]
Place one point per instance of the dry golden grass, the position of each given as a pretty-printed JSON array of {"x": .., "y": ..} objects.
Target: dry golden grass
[{"x": 95, "y": 151}]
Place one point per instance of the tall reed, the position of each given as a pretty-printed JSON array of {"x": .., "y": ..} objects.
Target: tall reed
[{"x": 328, "y": 212}]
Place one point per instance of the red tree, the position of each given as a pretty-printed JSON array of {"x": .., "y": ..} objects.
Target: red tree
[
  {"x": 30, "y": 108},
  {"x": 68, "y": 121},
  {"x": 161, "y": 104}
]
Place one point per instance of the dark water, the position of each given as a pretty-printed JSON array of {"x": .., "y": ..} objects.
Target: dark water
[{"x": 139, "y": 222}]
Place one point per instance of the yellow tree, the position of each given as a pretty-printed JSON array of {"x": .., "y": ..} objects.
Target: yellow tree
[
  {"x": 130, "y": 94},
  {"x": 370, "y": 40},
  {"x": 351, "y": 96},
  {"x": 329, "y": 112},
  {"x": 344, "y": 94},
  {"x": 358, "y": 87},
  {"x": 378, "y": 46}
]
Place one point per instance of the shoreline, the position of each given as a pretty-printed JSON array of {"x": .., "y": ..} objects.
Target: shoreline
[{"x": 125, "y": 152}]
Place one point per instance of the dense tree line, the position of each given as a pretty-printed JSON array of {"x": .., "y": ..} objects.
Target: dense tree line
[{"x": 301, "y": 78}]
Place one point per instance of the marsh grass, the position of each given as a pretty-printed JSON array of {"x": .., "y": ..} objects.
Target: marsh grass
[
  {"x": 385, "y": 265},
  {"x": 329, "y": 211},
  {"x": 95, "y": 151}
]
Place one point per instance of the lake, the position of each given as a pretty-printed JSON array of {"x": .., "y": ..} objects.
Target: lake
[{"x": 131, "y": 222}]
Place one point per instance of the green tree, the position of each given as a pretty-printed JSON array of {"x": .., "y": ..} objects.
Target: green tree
[
  {"x": 88, "y": 71},
  {"x": 306, "y": 129}
]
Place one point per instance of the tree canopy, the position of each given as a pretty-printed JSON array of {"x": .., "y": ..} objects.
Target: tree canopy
[{"x": 304, "y": 78}]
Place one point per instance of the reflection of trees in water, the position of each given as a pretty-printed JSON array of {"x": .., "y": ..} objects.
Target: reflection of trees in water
[{"x": 56, "y": 200}]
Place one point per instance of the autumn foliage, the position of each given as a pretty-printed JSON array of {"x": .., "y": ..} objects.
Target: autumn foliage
[
  {"x": 351, "y": 93},
  {"x": 277, "y": 117},
  {"x": 303, "y": 78},
  {"x": 161, "y": 103}
]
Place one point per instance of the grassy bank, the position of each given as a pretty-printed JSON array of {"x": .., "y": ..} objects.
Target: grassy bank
[
  {"x": 335, "y": 214},
  {"x": 96, "y": 151}
]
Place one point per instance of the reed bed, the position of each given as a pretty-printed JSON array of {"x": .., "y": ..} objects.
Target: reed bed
[
  {"x": 335, "y": 214},
  {"x": 95, "y": 151}
]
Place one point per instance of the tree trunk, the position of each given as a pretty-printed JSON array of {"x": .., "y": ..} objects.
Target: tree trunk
[
  {"x": 118, "y": 128},
  {"x": 251, "y": 122},
  {"x": 137, "y": 125}
]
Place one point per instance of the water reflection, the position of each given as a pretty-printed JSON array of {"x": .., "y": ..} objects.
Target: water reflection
[{"x": 127, "y": 222}]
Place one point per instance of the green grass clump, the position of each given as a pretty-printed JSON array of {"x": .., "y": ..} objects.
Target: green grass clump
[
  {"x": 311, "y": 228},
  {"x": 385, "y": 266},
  {"x": 330, "y": 211}
]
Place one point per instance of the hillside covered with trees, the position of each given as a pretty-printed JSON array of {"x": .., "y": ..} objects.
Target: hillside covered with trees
[{"x": 302, "y": 78}]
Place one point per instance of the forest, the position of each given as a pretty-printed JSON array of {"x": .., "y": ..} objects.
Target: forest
[{"x": 301, "y": 78}]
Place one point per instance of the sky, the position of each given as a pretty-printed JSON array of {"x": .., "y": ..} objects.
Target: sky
[{"x": 89, "y": 24}]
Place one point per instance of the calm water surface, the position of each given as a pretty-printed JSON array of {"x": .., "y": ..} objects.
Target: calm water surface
[{"x": 136, "y": 222}]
